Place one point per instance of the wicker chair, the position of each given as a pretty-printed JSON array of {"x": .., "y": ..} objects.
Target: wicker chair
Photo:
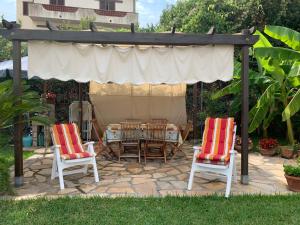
[
  {"x": 130, "y": 138},
  {"x": 155, "y": 140}
]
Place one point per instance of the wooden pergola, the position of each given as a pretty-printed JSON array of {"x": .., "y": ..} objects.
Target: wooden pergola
[{"x": 243, "y": 41}]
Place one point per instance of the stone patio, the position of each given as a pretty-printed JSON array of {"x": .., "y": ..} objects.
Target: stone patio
[{"x": 154, "y": 179}]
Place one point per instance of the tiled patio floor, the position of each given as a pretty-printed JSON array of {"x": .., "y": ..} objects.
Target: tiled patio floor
[{"x": 154, "y": 179}]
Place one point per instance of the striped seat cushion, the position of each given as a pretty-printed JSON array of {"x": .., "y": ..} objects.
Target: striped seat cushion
[
  {"x": 217, "y": 140},
  {"x": 67, "y": 136},
  {"x": 76, "y": 155}
]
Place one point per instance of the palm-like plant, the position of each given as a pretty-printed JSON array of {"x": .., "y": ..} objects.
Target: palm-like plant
[
  {"x": 12, "y": 106},
  {"x": 279, "y": 75}
]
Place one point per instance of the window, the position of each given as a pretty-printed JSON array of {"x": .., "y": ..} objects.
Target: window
[
  {"x": 57, "y": 2},
  {"x": 108, "y": 5},
  {"x": 25, "y": 8}
]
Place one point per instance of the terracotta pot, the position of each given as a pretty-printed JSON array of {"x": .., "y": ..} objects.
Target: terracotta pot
[
  {"x": 293, "y": 183},
  {"x": 267, "y": 152},
  {"x": 287, "y": 152}
]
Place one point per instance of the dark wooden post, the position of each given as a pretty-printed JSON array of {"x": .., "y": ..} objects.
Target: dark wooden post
[
  {"x": 245, "y": 110},
  {"x": 195, "y": 113},
  {"x": 18, "y": 125}
]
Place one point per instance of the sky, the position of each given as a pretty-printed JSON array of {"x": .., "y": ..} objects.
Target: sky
[{"x": 149, "y": 10}]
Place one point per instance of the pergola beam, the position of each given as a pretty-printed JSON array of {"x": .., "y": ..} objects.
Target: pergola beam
[{"x": 129, "y": 38}]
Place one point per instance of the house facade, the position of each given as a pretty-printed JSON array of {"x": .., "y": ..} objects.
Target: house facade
[{"x": 33, "y": 14}]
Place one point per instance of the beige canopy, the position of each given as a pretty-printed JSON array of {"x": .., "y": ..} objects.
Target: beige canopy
[
  {"x": 130, "y": 64},
  {"x": 114, "y": 103}
]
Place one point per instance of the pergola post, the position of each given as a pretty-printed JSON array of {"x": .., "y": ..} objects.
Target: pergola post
[
  {"x": 195, "y": 112},
  {"x": 18, "y": 124},
  {"x": 245, "y": 110}
]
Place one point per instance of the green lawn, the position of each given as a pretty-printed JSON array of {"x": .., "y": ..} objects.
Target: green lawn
[
  {"x": 6, "y": 160},
  {"x": 170, "y": 210}
]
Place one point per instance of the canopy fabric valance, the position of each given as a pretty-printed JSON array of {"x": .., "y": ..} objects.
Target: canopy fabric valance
[{"x": 130, "y": 64}]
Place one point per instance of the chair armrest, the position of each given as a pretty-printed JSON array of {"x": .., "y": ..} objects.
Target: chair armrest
[
  {"x": 53, "y": 147},
  {"x": 197, "y": 148},
  {"x": 89, "y": 143}
]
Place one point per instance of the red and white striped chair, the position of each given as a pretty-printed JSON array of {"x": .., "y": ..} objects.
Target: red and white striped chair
[
  {"x": 69, "y": 152},
  {"x": 217, "y": 153}
]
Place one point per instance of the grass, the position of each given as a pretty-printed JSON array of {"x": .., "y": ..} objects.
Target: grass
[
  {"x": 169, "y": 210},
  {"x": 6, "y": 161}
]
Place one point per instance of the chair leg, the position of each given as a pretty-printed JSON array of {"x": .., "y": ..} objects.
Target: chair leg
[
  {"x": 96, "y": 175},
  {"x": 139, "y": 152},
  {"x": 165, "y": 154},
  {"x": 234, "y": 174},
  {"x": 121, "y": 147},
  {"x": 145, "y": 153},
  {"x": 228, "y": 185},
  {"x": 61, "y": 177},
  {"x": 85, "y": 169},
  {"x": 54, "y": 169},
  {"x": 191, "y": 179}
]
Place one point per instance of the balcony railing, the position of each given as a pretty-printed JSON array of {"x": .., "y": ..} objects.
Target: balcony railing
[{"x": 75, "y": 14}]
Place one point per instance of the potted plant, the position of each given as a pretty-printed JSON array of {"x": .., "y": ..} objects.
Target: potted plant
[
  {"x": 288, "y": 151},
  {"x": 238, "y": 144},
  {"x": 297, "y": 149},
  {"x": 268, "y": 146},
  {"x": 292, "y": 175}
]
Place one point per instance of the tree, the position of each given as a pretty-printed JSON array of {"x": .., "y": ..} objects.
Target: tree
[
  {"x": 230, "y": 16},
  {"x": 279, "y": 75}
]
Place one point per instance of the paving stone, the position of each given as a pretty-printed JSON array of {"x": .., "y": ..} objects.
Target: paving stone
[
  {"x": 129, "y": 178},
  {"x": 135, "y": 170},
  {"x": 113, "y": 168},
  {"x": 141, "y": 180},
  {"x": 46, "y": 172},
  {"x": 146, "y": 189},
  {"x": 124, "y": 179},
  {"x": 164, "y": 185},
  {"x": 159, "y": 175},
  {"x": 173, "y": 172},
  {"x": 179, "y": 184},
  {"x": 86, "y": 188},
  {"x": 124, "y": 190},
  {"x": 150, "y": 168},
  {"x": 28, "y": 174},
  {"x": 40, "y": 178}
]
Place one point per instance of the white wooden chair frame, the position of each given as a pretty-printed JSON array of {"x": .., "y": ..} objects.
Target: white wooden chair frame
[
  {"x": 59, "y": 164},
  {"x": 228, "y": 170}
]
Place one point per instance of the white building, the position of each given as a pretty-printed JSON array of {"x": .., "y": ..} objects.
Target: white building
[{"x": 33, "y": 14}]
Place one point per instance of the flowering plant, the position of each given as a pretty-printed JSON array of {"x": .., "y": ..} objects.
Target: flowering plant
[
  {"x": 50, "y": 95},
  {"x": 268, "y": 143}
]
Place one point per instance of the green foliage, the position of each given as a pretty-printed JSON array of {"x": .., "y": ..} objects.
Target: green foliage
[
  {"x": 12, "y": 106},
  {"x": 230, "y": 16},
  {"x": 292, "y": 170},
  {"x": 290, "y": 37},
  {"x": 7, "y": 160},
  {"x": 83, "y": 25}
]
